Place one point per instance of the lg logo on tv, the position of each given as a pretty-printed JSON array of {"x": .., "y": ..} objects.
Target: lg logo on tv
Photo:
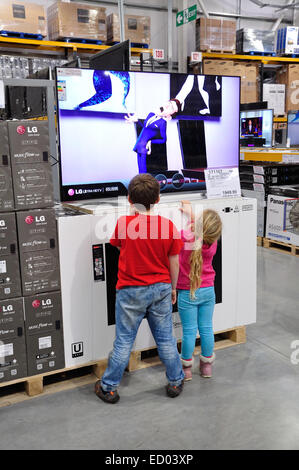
[{"x": 77, "y": 349}]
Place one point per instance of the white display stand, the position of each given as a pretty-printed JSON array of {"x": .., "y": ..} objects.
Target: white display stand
[{"x": 84, "y": 300}]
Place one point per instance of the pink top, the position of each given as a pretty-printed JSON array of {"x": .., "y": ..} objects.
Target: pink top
[{"x": 208, "y": 252}]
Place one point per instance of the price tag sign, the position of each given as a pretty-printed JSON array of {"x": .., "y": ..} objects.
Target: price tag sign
[
  {"x": 158, "y": 54},
  {"x": 223, "y": 182}
]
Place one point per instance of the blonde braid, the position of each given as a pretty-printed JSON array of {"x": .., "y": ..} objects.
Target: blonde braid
[{"x": 207, "y": 230}]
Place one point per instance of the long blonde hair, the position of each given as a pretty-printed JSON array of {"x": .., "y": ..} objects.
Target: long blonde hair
[{"x": 207, "y": 229}]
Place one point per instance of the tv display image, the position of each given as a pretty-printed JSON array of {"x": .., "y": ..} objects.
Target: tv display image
[
  {"x": 256, "y": 128},
  {"x": 252, "y": 127},
  {"x": 116, "y": 124},
  {"x": 293, "y": 128}
]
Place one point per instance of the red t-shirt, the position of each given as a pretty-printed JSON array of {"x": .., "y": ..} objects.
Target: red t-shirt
[{"x": 145, "y": 242}]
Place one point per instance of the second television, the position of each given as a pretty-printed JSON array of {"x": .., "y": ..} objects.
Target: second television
[
  {"x": 256, "y": 128},
  {"x": 116, "y": 124}
]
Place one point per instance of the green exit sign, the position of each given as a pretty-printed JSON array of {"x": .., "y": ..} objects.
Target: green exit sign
[{"x": 187, "y": 15}]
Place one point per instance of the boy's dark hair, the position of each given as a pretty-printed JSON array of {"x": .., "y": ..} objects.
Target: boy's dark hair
[{"x": 144, "y": 189}]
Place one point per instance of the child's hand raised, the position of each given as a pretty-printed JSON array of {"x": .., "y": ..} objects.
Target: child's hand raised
[{"x": 186, "y": 208}]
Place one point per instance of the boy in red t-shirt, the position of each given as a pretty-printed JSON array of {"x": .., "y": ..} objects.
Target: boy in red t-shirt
[{"x": 147, "y": 276}]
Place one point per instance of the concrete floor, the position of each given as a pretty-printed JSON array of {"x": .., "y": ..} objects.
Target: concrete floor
[{"x": 250, "y": 403}]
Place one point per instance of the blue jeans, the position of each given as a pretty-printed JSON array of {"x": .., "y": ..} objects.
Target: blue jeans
[
  {"x": 132, "y": 305},
  {"x": 197, "y": 313}
]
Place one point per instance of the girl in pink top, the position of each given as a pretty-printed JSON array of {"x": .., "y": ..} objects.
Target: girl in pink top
[{"x": 196, "y": 295}]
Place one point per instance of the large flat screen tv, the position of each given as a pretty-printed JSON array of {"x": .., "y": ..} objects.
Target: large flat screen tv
[
  {"x": 293, "y": 128},
  {"x": 116, "y": 124},
  {"x": 256, "y": 128}
]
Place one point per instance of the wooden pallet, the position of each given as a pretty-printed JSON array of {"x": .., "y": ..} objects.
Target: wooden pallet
[
  {"x": 259, "y": 241},
  {"x": 281, "y": 246},
  {"x": 58, "y": 380},
  {"x": 16, "y": 391},
  {"x": 223, "y": 339},
  {"x": 220, "y": 51}
]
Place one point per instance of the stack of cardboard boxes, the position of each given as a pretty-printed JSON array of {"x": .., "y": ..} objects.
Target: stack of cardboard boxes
[
  {"x": 22, "y": 17},
  {"x": 215, "y": 35},
  {"x": 247, "y": 71},
  {"x": 29, "y": 259},
  {"x": 137, "y": 29},
  {"x": 76, "y": 20}
]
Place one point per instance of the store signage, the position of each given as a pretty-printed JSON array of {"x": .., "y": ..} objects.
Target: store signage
[
  {"x": 222, "y": 182},
  {"x": 196, "y": 56},
  {"x": 187, "y": 15},
  {"x": 158, "y": 54}
]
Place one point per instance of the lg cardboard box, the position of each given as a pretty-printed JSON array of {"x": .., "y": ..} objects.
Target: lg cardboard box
[
  {"x": 8, "y": 234},
  {"x": 10, "y": 279},
  {"x": 6, "y": 192},
  {"x": 11, "y": 318},
  {"x": 13, "y": 364},
  {"x": 44, "y": 333},
  {"x": 37, "y": 230},
  {"x": 43, "y": 313},
  {"x": 31, "y": 169},
  {"x": 45, "y": 352},
  {"x": 76, "y": 20},
  {"x": 137, "y": 28},
  {"x": 22, "y": 17},
  {"x": 40, "y": 271}
]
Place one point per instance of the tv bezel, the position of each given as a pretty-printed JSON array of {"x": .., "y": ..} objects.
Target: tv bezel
[{"x": 100, "y": 196}]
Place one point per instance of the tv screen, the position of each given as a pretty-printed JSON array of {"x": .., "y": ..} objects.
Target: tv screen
[
  {"x": 257, "y": 124},
  {"x": 293, "y": 128},
  {"x": 252, "y": 127},
  {"x": 116, "y": 124}
]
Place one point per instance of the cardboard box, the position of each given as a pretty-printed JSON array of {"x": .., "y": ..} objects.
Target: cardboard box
[
  {"x": 261, "y": 205},
  {"x": 289, "y": 76},
  {"x": 31, "y": 169},
  {"x": 11, "y": 318},
  {"x": 43, "y": 312},
  {"x": 8, "y": 234},
  {"x": 13, "y": 362},
  {"x": 6, "y": 192},
  {"x": 279, "y": 225},
  {"x": 23, "y": 17},
  {"x": 137, "y": 28},
  {"x": 33, "y": 186},
  {"x": 215, "y": 35},
  {"x": 10, "y": 280},
  {"x": 255, "y": 40},
  {"x": 37, "y": 230},
  {"x": 77, "y": 20},
  {"x": 287, "y": 41},
  {"x": 45, "y": 352},
  {"x": 40, "y": 271},
  {"x": 274, "y": 94}
]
